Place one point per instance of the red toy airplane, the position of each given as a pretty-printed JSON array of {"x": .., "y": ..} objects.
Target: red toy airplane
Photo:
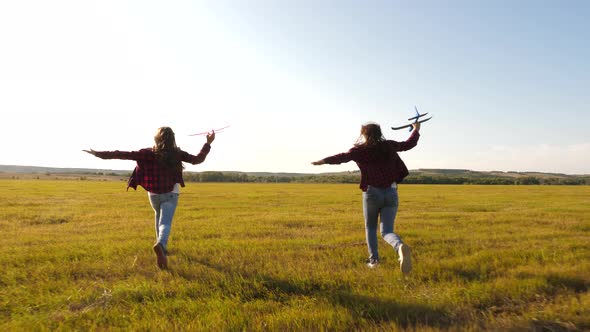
[{"x": 207, "y": 132}]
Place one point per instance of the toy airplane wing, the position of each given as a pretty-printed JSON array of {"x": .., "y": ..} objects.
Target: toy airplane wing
[
  {"x": 410, "y": 125},
  {"x": 207, "y": 132},
  {"x": 415, "y": 118},
  {"x": 402, "y": 127}
]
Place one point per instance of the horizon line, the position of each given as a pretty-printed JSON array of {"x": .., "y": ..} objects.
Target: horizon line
[{"x": 287, "y": 172}]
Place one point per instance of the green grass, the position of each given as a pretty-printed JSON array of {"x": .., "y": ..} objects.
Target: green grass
[{"x": 76, "y": 255}]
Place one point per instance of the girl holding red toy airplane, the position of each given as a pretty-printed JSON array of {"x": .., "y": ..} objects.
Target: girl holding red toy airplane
[{"x": 159, "y": 171}]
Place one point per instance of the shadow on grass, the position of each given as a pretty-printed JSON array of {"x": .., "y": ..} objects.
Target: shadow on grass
[
  {"x": 577, "y": 285},
  {"x": 557, "y": 281},
  {"x": 546, "y": 326},
  {"x": 369, "y": 308},
  {"x": 453, "y": 273},
  {"x": 380, "y": 310}
]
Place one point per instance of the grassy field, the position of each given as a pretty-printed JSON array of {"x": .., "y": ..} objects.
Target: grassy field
[{"x": 76, "y": 255}]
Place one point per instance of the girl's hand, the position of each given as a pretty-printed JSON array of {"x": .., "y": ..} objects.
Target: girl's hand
[
  {"x": 319, "y": 162},
  {"x": 92, "y": 152},
  {"x": 416, "y": 126},
  {"x": 211, "y": 137}
]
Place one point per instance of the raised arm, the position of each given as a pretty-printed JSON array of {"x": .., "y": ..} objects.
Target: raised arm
[
  {"x": 192, "y": 159},
  {"x": 411, "y": 142}
]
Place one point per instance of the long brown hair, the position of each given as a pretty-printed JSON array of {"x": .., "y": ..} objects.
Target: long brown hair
[
  {"x": 165, "y": 148},
  {"x": 372, "y": 138},
  {"x": 371, "y": 135}
]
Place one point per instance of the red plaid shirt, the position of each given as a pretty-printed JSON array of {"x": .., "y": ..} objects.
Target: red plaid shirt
[
  {"x": 375, "y": 171},
  {"x": 152, "y": 175}
]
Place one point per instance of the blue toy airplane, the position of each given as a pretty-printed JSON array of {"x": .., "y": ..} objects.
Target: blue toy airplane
[{"x": 416, "y": 118}]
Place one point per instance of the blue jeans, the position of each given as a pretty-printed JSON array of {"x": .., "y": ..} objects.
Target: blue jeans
[
  {"x": 164, "y": 206},
  {"x": 380, "y": 202}
]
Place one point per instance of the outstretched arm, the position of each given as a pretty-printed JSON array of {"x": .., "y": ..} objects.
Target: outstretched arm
[
  {"x": 125, "y": 155},
  {"x": 336, "y": 159}
]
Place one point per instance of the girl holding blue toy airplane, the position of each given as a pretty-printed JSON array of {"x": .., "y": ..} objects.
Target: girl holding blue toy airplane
[{"x": 381, "y": 170}]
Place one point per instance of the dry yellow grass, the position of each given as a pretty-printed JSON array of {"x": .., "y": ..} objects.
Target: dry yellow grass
[{"x": 77, "y": 255}]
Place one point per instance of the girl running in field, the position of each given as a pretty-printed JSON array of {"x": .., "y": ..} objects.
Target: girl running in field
[
  {"x": 159, "y": 171},
  {"x": 381, "y": 170}
]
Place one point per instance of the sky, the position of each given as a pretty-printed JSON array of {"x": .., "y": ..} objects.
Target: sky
[{"x": 507, "y": 82}]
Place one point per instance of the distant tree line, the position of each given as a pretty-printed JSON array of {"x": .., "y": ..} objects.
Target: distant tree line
[
  {"x": 243, "y": 177},
  {"x": 104, "y": 173},
  {"x": 526, "y": 180},
  {"x": 354, "y": 177}
]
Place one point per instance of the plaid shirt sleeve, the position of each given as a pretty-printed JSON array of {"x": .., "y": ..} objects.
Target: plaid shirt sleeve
[
  {"x": 125, "y": 155},
  {"x": 341, "y": 157},
  {"x": 411, "y": 142},
  {"x": 192, "y": 159}
]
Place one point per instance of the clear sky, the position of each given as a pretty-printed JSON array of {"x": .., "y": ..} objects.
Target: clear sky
[{"x": 508, "y": 82}]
